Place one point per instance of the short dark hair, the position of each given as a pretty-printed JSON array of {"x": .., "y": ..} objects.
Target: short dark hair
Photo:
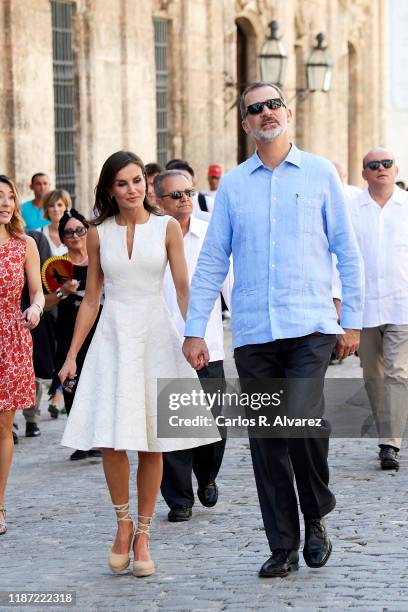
[
  {"x": 180, "y": 164},
  {"x": 158, "y": 180},
  {"x": 153, "y": 168},
  {"x": 258, "y": 85},
  {"x": 36, "y": 175},
  {"x": 70, "y": 214}
]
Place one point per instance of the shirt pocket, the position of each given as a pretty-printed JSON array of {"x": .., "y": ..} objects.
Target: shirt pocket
[{"x": 308, "y": 214}]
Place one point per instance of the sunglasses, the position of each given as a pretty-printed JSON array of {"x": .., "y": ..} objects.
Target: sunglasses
[
  {"x": 177, "y": 195},
  {"x": 79, "y": 231},
  {"x": 257, "y": 107},
  {"x": 375, "y": 164}
]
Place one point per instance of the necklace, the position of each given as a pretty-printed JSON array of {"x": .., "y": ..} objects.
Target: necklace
[{"x": 79, "y": 263}]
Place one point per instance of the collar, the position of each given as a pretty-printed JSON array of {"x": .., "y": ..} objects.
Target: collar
[
  {"x": 399, "y": 197},
  {"x": 195, "y": 226},
  {"x": 294, "y": 157}
]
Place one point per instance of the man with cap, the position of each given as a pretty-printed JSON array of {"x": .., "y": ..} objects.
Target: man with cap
[{"x": 214, "y": 177}]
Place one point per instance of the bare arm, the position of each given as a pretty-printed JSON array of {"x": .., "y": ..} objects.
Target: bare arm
[
  {"x": 178, "y": 265},
  {"x": 88, "y": 311},
  {"x": 32, "y": 268}
]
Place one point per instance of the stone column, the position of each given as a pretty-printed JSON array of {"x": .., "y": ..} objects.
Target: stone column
[{"x": 26, "y": 77}]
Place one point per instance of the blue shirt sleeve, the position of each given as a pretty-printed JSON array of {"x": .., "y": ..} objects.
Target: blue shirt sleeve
[
  {"x": 212, "y": 267},
  {"x": 343, "y": 243}
]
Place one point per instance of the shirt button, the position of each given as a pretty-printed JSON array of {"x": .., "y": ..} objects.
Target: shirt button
[
  {"x": 273, "y": 265},
  {"x": 273, "y": 242},
  {"x": 274, "y": 220},
  {"x": 274, "y": 199}
]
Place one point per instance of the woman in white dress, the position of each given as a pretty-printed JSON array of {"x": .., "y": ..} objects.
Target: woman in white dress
[
  {"x": 55, "y": 204},
  {"x": 135, "y": 343}
]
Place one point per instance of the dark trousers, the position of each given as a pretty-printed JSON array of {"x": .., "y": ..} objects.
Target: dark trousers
[
  {"x": 277, "y": 461},
  {"x": 205, "y": 461}
]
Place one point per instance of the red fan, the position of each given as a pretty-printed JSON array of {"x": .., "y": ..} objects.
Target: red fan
[{"x": 56, "y": 271}]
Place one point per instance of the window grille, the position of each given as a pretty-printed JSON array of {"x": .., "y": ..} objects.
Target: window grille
[
  {"x": 64, "y": 106},
  {"x": 160, "y": 53}
]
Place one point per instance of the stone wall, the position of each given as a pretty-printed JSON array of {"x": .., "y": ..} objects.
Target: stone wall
[{"x": 115, "y": 80}]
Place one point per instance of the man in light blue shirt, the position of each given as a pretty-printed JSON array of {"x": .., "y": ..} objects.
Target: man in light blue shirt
[
  {"x": 32, "y": 210},
  {"x": 282, "y": 214}
]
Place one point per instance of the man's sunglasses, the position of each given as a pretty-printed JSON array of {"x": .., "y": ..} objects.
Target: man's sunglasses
[
  {"x": 257, "y": 107},
  {"x": 177, "y": 195},
  {"x": 79, "y": 231},
  {"x": 375, "y": 164}
]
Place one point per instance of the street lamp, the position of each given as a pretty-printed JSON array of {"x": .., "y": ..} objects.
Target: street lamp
[
  {"x": 273, "y": 57},
  {"x": 319, "y": 67}
]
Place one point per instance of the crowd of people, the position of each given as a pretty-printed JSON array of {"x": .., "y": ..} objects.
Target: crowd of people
[{"x": 319, "y": 272}]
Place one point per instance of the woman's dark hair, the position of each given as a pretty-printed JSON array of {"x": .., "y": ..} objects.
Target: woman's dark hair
[
  {"x": 105, "y": 205},
  {"x": 67, "y": 216}
]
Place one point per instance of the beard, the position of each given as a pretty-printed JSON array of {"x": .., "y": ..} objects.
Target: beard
[{"x": 268, "y": 135}]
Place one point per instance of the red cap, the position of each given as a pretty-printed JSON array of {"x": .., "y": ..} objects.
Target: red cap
[{"x": 214, "y": 170}]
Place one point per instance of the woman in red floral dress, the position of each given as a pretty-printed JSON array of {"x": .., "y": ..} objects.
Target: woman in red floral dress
[{"x": 18, "y": 256}]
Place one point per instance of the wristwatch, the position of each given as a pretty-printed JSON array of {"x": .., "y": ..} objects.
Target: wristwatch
[{"x": 59, "y": 294}]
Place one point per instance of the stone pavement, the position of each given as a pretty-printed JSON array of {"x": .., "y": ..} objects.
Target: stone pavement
[{"x": 61, "y": 527}]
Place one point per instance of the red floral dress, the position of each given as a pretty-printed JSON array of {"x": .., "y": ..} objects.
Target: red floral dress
[{"x": 17, "y": 382}]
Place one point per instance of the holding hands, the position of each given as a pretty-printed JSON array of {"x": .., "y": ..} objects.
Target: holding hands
[{"x": 196, "y": 352}]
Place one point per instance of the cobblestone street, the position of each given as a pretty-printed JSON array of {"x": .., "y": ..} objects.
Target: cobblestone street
[{"x": 61, "y": 526}]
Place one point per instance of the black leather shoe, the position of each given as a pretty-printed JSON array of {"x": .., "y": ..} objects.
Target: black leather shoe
[
  {"x": 32, "y": 430},
  {"x": 95, "y": 452},
  {"x": 15, "y": 437},
  {"x": 389, "y": 458},
  {"x": 178, "y": 514},
  {"x": 208, "y": 495},
  {"x": 280, "y": 563},
  {"x": 79, "y": 454},
  {"x": 317, "y": 548}
]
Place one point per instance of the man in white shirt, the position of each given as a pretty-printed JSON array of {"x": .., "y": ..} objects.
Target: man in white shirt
[
  {"x": 174, "y": 195},
  {"x": 380, "y": 219}
]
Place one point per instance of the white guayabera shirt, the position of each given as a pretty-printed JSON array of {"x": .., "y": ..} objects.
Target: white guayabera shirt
[
  {"x": 214, "y": 335},
  {"x": 382, "y": 234}
]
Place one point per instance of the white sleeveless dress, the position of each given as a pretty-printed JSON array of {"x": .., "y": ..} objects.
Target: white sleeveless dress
[{"x": 135, "y": 343}]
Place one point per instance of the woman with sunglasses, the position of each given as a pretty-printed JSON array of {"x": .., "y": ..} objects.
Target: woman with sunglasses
[
  {"x": 135, "y": 344},
  {"x": 72, "y": 231}
]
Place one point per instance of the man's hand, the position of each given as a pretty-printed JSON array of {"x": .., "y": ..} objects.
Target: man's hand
[
  {"x": 348, "y": 343},
  {"x": 196, "y": 352}
]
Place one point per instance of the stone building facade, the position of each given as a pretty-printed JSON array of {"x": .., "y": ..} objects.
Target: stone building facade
[{"x": 80, "y": 79}]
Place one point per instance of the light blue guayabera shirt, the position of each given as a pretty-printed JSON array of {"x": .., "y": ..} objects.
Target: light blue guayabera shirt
[
  {"x": 33, "y": 216},
  {"x": 281, "y": 227}
]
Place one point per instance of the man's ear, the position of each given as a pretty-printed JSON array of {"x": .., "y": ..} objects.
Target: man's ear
[
  {"x": 289, "y": 115},
  {"x": 363, "y": 173},
  {"x": 245, "y": 126}
]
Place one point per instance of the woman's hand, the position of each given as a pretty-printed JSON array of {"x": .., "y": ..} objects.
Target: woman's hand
[
  {"x": 67, "y": 371},
  {"x": 69, "y": 287},
  {"x": 31, "y": 316}
]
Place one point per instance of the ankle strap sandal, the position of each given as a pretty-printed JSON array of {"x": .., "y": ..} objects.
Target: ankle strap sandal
[
  {"x": 3, "y": 524},
  {"x": 118, "y": 562}
]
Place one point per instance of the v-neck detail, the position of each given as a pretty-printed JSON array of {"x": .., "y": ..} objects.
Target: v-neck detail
[{"x": 130, "y": 258}]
